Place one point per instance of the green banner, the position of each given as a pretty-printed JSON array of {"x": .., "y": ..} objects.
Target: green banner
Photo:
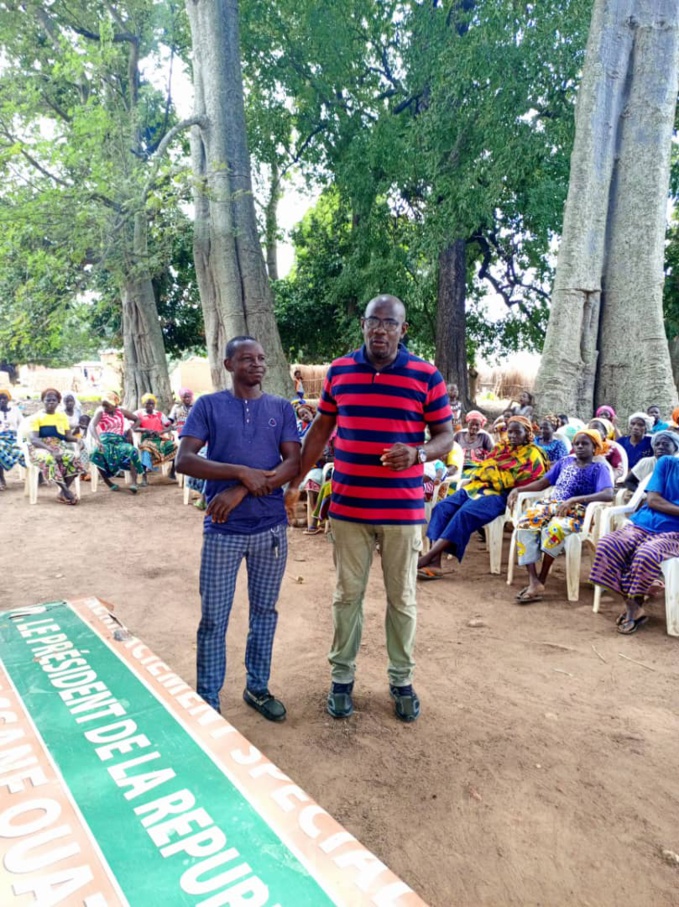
[{"x": 171, "y": 826}]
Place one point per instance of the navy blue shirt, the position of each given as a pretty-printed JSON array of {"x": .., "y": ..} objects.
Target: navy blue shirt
[
  {"x": 244, "y": 433},
  {"x": 636, "y": 452}
]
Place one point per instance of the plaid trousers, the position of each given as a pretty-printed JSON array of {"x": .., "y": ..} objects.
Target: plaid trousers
[{"x": 265, "y": 556}]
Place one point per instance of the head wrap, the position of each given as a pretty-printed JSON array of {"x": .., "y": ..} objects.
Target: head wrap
[
  {"x": 77, "y": 407},
  {"x": 111, "y": 398},
  {"x": 671, "y": 436},
  {"x": 553, "y": 420},
  {"x": 6, "y": 391},
  {"x": 600, "y": 446},
  {"x": 603, "y": 410},
  {"x": 183, "y": 391},
  {"x": 475, "y": 414},
  {"x": 50, "y": 390},
  {"x": 524, "y": 423},
  {"x": 610, "y": 429},
  {"x": 146, "y": 397},
  {"x": 675, "y": 414},
  {"x": 644, "y": 417}
]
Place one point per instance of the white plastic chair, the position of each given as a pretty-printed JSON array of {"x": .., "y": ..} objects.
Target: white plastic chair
[{"x": 589, "y": 534}]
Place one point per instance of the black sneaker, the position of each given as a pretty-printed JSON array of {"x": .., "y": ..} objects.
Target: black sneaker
[
  {"x": 267, "y": 705},
  {"x": 406, "y": 703},
  {"x": 340, "y": 704}
]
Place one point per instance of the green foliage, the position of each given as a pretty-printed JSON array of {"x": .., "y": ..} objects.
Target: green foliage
[{"x": 78, "y": 130}]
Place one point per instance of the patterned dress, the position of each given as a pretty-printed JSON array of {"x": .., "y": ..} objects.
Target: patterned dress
[
  {"x": 540, "y": 529},
  {"x": 10, "y": 452},
  {"x": 51, "y": 430},
  {"x": 115, "y": 452}
]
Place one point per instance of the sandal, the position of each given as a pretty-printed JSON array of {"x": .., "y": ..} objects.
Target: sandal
[
  {"x": 133, "y": 489},
  {"x": 311, "y": 530},
  {"x": 114, "y": 487},
  {"x": 526, "y": 598},
  {"x": 426, "y": 574},
  {"x": 627, "y": 627}
]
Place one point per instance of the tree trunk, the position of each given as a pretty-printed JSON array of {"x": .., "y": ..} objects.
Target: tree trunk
[
  {"x": 605, "y": 340},
  {"x": 451, "y": 331},
  {"x": 272, "y": 223},
  {"x": 230, "y": 269},
  {"x": 145, "y": 363}
]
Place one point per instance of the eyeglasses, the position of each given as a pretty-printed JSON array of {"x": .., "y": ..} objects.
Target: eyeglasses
[{"x": 390, "y": 325}]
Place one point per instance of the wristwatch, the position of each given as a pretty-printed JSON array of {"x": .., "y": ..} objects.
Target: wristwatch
[{"x": 421, "y": 455}]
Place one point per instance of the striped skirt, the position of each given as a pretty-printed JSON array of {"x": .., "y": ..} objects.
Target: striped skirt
[{"x": 628, "y": 561}]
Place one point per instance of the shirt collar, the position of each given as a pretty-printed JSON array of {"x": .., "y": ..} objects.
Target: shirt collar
[{"x": 400, "y": 360}]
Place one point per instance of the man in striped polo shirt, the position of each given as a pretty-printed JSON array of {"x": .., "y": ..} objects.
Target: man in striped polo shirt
[{"x": 380, "y": 398}]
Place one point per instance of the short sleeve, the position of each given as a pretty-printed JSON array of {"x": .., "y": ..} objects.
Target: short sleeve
[
  {"x": 197, "y": 425},
  {"x": 35, "y": 422},
  {"x": 437, "y": 409},
  {"x": 659, "y": 478},
  {"x": 555, "y": 472},
  {"x": 603, "y": 478},
  {"x": 327, "y": 405},
  {"x": 289, "y": 432}
]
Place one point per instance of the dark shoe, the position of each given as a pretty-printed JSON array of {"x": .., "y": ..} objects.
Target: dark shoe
[
  {"x": 406, "y": 703},
  {"x": 263, "y": 702},
  {"x": 340, "y": 704}
]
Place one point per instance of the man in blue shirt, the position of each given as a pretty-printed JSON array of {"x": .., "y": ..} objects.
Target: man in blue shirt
[{"x": 252, "y": 450}]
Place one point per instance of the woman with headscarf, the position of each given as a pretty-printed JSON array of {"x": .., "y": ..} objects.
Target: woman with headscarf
[
  {"x": 664, "y": 444},
  {"x": 10, "y": 420},
  {"x": 544, "y": 527},
  {"x": 156, "y": 433},
  {"x": 48, "y": 447},
  {"x": 475, "y": 442},
  {"x": 113, "y": 452},
  {"x": 611, "y": 452},
  {"x": 71, "y": 407},
  {"x": 628, "y": 561},
  {"x": 453, "y": 521},
  {"x": 180, "y": 411},
  {"x": 607, "y": 412},
  {"x": 637, "y": 443},
  {"x": 554, "y": 448}
]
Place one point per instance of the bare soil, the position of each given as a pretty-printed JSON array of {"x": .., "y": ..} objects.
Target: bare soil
[{"x": 543, "y": 770}]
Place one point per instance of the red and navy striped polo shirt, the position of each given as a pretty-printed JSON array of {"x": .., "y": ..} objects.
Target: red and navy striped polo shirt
[{"x": 375, "y": 409}]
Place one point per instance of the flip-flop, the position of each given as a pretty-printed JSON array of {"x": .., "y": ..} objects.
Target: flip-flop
[
  {"x": 114, "y": 487},
  {"x": 426, "y": 574},
  {"x": 528, "y": 599},
  {"x": 632, "y": 625},
  {"x": 312, "y": 531},
  {"x": 621, "y": 618},
  {"x": 133, "y": 489}
]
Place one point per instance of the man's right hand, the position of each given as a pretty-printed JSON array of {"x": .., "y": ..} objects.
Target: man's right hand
[
  {"x": 223, "y": 503},
  {"x": 291, "y": 501},
  {"x": 256, "y": 480}
]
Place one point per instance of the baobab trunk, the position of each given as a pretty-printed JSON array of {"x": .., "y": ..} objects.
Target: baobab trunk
[
  {"x": 605, "y": 340},
  {"x": 145, "y": 363},
  {"x": 232, "y": 279},
  {"x": 451, "y": 335}
]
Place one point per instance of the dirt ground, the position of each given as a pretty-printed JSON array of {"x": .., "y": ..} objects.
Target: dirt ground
[{"x": 543, "y": 770}]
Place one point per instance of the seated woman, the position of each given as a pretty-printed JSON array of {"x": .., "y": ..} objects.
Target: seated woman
[
  {"x": 475, "y": 442},
  {"x": 554, "y": 448},
  {"x": 542, "y": 530},
  {"x": 48, "y": 450},
  {"x": 305, "y": 416},
  {"x": 611, "y": 453},
  {"x": 71, "y": 407},
  {"x": 112, "y": 451},
  {"x": 628, "y": 561},
  {"x": 10, "y": 452},
  {"x": 525, "y": 405},
  {"x": 156, "y": 433},
  {"x": 180, "y": 411},
  {"x": 637, "y": 444},
  {"x": 455, "y": 519},
  {"x": 664, "y": 444},
  {"x": 607, "y": 412}
]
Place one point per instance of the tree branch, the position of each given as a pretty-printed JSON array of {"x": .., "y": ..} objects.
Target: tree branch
[{"x": 201, "y": 121}]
